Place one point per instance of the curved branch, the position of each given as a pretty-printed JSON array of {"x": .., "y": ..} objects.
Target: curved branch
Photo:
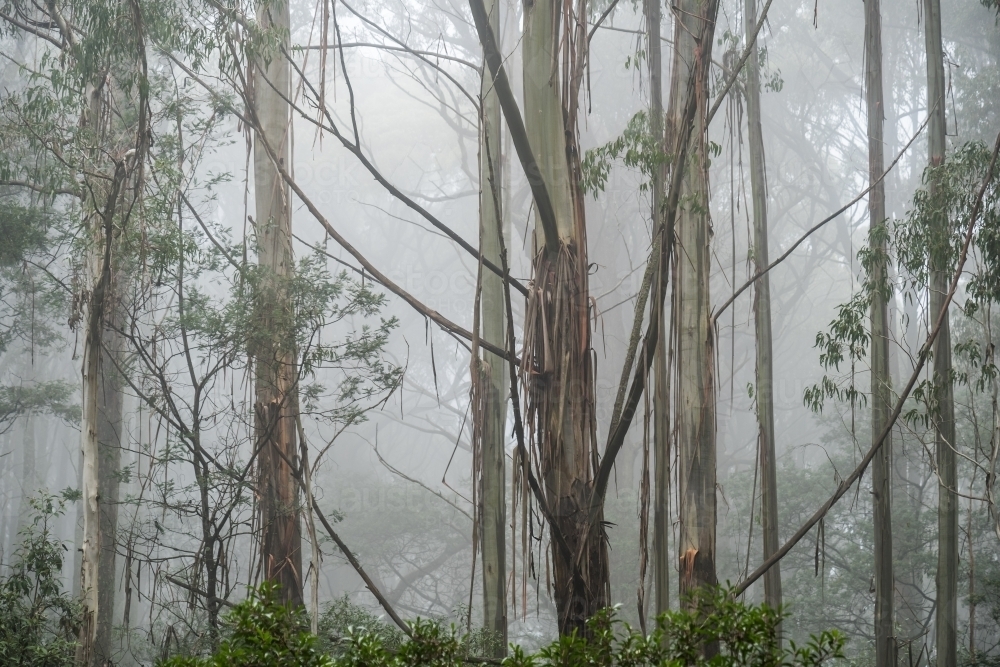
[
  {"x": 846, "y": 484},
  {"x": 819, "y": 225}
]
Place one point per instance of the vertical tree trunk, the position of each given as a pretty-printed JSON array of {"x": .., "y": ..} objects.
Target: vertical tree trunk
[
  {"x": 662, "y": 567},
  {"x": 881, "y": 381},
  {"x": 493, "y": 386},
  {"x": 695, "y": 390},
  {"x": 99, "y": 269},
  {"x": 762, "y": 319},
  {"x": 109, "y": 430},
  {"x": 560, "y": 379},
  {"x": 276, "y": 403},
  {"x": 946, "y": 620},
  {"x": 29, "y": 476}
]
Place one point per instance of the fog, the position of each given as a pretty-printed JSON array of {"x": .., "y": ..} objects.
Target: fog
[{"x": 395, "y": 471}]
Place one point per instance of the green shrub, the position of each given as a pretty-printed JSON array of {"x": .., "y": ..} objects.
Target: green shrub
[
  {"x": 38, "y": 621},
  {"x": 265, "y": 633}
]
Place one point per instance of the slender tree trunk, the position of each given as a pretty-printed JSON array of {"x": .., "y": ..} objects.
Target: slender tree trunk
[
  {"x": 560, "y": 379},
  {"x": 29, "y": 476},
  {"x": 762, "y": 321},
  {"x": 881, "y": 381},
  {"x": 695, "y": 389},
  {"x": 662, "y": 567},
  {"x": 946, "y": 619},
  {"x": 109, "y": 431},
  {"x": 492, "y": 383},
  {"x": 278, "y": 502}
]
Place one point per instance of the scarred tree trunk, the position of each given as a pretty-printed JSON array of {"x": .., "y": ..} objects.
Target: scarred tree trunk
[
  {"x": 764, "y": 395},
  {"x": 275, "y": 354},
  {"x": 881, "y": 381},
  {"x": 560, "y": 371},
  {"x": 946, "y": 619},
  {"x": 695, "y": 389},
  {"x": 492, "y": 376}
]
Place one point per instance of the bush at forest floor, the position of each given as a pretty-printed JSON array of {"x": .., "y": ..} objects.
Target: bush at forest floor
[{"x": 263, "y": 632}]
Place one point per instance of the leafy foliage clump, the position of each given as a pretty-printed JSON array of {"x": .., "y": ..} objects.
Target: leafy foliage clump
[
  {"x": 38, "y": 621},
  {"x": 263, "y": 632},
  {"x": 715, "y": 631}
]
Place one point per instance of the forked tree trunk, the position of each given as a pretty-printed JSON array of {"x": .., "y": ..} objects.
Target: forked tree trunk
[
  {"x": 560, "y": 378},
  {"x": 492, "y": 378},
  {"x": 275, "y": 354},
  {"x": 695, "y": 389},
  {"x": 764, "y": 394},
  {"x": 881, "y": 381},
  {"x": 662, "y": 567},
  {"x": 946, "y": 619}
]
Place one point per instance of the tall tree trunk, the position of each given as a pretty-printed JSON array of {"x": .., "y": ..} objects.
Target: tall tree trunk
[
  {"x": 492, "y": 383},
  {"x": 762, "y": 320},
  {"x": 276, "y": 399},
  {"x": 109, "y": 431},
  {"x": 662, "y": 567},
  {"x": 99, "y": 268},
  {"x": 946, "y": 620},
  {"x": 881, "y": 381},
  {"x": 560, "y": 380},
  {"x": 695, "y": 390}
]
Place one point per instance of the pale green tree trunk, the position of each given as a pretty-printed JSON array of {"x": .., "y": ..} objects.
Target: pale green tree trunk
[
  {"x": 764, "y": 394},
  {"x": 695, "y": 389},
  {"x": 275, "y": 355},
  {"x": 492, "y": 382},
  {"x": 946, "y": 620}
]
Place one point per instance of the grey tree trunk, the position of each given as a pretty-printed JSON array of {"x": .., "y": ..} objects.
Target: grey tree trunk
[
  {"x": 276, "y": 399},
  {"x": 695, "y": 390},
  {"x": 881, "y": 381},
  {"x": 493, "y": 386},
  {"x": 762, "y": 320},
  {"x": 662, "y": 567},
  {"x": 946, "y": 620}
]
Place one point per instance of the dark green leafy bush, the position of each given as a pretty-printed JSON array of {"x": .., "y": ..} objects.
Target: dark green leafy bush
[{"x": 264, "y": 632}]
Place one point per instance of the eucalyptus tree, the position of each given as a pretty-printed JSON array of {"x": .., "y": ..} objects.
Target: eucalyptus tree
[
  {"x": 489, "y": 384},
  {"x": 276, "y": 396},
  {"x": 86, "y": 111},
  {"x": 662, "y": 569},
  {"x": 694, "y": 411},
  {"x": 946, "y": 619},
  {"x": 764, "y": 391},
  {"x": 881, "y": 380}
]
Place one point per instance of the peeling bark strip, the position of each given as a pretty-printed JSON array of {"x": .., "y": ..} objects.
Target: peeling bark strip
[
  {"x": 557, "y": 366},
  {"x": 276, "y": 401}
]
